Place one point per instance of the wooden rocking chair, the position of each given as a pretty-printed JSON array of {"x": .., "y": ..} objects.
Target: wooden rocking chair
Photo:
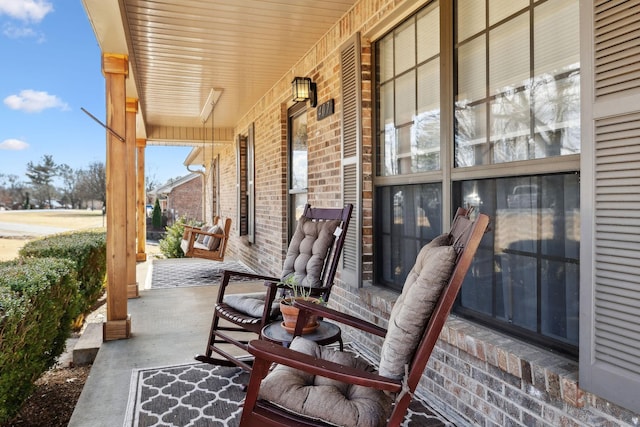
[
  {"x": 312, "y": 259},
  {"x": 320, "y": 386},
  {"x": 206, "y": 242}
]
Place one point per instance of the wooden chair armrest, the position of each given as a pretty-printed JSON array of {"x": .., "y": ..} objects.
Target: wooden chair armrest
[
  {"x": 207, "y": 233},
  {"x": 328, "y": 313},
  {"x": 272, "y": 352}
]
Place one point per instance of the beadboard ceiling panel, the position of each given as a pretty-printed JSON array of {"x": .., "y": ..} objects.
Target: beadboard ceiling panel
[{"x": 180, "y": 50}]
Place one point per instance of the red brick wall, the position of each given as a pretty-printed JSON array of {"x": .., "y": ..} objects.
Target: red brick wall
[{"x": 186, "y": 200}]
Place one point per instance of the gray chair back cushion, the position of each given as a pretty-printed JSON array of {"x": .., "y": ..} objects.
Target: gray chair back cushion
[
  {"x": 308, "y": 251},
  {"x": 413, "y": 308}
]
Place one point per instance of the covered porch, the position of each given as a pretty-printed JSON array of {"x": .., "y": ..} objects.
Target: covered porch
[
  {"x": 217, "y": 76},
  {"x": 172, "y": 326}
]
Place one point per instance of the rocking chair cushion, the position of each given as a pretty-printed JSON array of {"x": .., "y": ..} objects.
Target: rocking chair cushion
[
  {"x": 308, "y": 250},
  {"x": 251, "y": 304},
  {"x": 414, "y": 306},
  {"x": 322, "y": 398}
]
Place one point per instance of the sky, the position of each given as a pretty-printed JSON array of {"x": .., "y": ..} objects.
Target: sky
[{"x": 50, "y": 69}]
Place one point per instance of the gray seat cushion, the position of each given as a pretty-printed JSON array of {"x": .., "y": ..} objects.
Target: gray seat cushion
[
  {"x": 414, "y": 306},
  {"x": 322, "y": 398},
  {"x": 251, "y": 304}
]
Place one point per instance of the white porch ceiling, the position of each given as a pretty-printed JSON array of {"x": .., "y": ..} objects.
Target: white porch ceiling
[{"x": 180, "y": 50}]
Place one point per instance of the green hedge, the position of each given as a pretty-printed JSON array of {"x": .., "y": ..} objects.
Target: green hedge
[
  {"x": 170, "y": 245},
  {"x": 38, "y": 299},
  {"x": 88, "y": 251}
]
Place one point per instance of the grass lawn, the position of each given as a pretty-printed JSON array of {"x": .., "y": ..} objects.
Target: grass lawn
[{"x": 64, "y": 218}]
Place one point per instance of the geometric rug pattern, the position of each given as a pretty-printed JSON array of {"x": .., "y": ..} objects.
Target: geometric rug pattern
[
  {"x": 203, "y": 395},
  {"x": 182, "y": 272},
  {"x": 195, "y": 395}
]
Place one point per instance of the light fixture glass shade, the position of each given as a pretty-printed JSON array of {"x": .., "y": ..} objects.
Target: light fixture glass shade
[{"x": 301, "y": 87}]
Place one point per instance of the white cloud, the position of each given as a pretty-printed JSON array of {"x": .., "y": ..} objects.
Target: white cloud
[
  {"x": 32, "y": 101},
  {"x": 13, "y": 144},
  {"x": 26, "y": 10},
  {"x": 14, "y": 32}
]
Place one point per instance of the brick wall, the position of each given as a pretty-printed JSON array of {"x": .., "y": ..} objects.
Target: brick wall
[
  {"x": 475, "y": 376},
  {"x": 186, "y": 200}
]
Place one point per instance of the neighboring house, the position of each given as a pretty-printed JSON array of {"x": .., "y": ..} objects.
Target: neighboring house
[
  {"x": 526, "y": 109},
  {"x": 181, "y": 197}
]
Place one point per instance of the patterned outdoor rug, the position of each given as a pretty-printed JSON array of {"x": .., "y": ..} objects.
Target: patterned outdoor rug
[
  {"x": 199, "y": 395},
  {"x": 181, "y": 272}
]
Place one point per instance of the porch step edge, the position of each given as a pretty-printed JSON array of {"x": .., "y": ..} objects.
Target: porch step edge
[{"x": 86, "y": 349}]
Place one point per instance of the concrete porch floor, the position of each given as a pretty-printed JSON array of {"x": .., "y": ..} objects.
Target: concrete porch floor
[{"x": 168, "y": 327}]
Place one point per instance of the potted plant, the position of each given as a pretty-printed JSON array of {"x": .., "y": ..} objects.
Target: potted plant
[{"x": 290, "y": 313}]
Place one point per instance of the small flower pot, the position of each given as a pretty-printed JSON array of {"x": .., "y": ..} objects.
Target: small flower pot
[{"x": 290, "y": 317}]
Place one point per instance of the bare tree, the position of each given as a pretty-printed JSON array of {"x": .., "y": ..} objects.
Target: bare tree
[
  {"x": 92, "y": 183},
  {"x": 69, "y": 189},
  {"x": 13, "y": 192}
]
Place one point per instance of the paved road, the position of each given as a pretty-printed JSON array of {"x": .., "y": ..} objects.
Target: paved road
[{"x": 8, "y": 229}]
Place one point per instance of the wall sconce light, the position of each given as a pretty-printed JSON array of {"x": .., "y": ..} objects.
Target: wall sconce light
[{"x": 303, "y": 89}]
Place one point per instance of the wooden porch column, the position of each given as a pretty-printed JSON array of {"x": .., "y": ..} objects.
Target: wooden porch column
[
  {"x": 141, "y": 202},
  {"x": 115, "y": 68},
  {"x": 132, "y": 110}
]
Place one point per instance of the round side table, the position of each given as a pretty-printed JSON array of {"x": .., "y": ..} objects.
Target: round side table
[{"x": 326, "y": 333}]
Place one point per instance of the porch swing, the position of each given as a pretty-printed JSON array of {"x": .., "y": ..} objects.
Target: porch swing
[{"x": 208, "y": 242}]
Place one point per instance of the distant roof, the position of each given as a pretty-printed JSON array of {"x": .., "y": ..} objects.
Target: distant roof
[{"x": 167, "y": 187}]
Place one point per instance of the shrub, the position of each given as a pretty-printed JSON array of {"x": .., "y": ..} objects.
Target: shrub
[
  {"x": 36, "y": 308},
  {"x": 87, "y": 250},
  {"x": 156, "y": 216},
  {"x": 170, "y": 245}
]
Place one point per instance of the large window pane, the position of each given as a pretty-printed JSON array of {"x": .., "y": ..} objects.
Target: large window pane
[
  {"x": 532, "y": 91},
  {"x": 407, "y": 218},
  {"x": 556, "y": 88},
  {"x": 534, "y": 247},
  {"x": 408, "y": 96}
]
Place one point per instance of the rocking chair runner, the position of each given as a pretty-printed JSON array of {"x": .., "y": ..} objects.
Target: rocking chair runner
[
  {"x": 319, "y": 386},
  {"x": 312, "y": 259},
  {"x": 206, "y": 242}
]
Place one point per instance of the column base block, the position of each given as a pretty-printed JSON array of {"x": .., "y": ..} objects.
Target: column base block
[
  {"x": 132, "y": 291},
  {"x": 116, "y": 329}
]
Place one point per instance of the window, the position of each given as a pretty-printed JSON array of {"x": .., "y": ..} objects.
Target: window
[
  {"x": 298, "y": 170},
  {"x": 245, "y": 155},
  {"x": 408, "y": 88},
  {"x": 526, "y": 273},
  {"x": 515, "y": 81},
  {"x": 518, "y": 94},
  {"x": 408, "y": 76},
  {"x": 407, "y": 217}
]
